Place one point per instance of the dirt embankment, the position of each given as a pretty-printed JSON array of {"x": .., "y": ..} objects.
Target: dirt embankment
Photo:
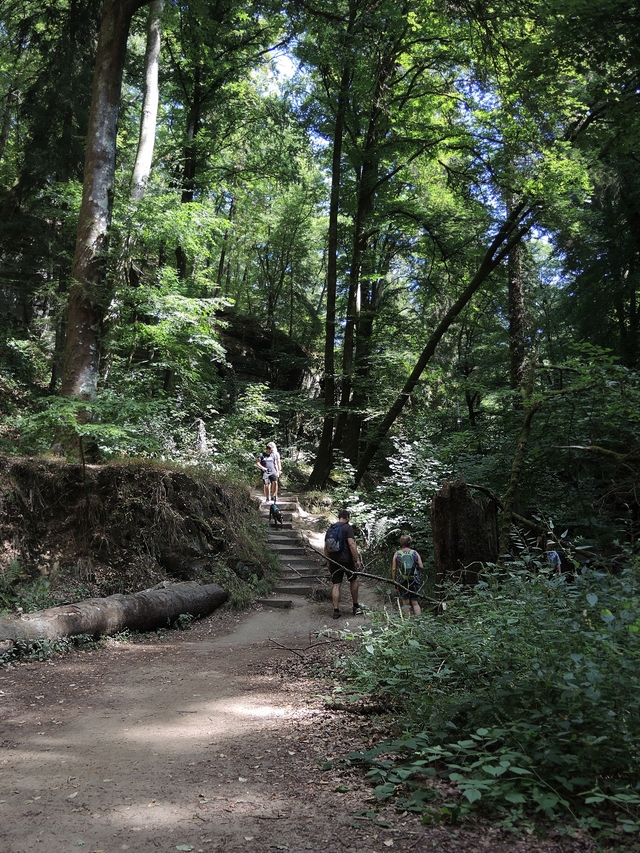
[{"x": 95, "y": 530}]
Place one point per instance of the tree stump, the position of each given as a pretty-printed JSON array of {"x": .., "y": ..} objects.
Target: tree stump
[{"x": 465, "y": 533}]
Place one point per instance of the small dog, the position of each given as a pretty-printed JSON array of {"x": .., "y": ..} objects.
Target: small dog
[{"x": 276, "y": 515}]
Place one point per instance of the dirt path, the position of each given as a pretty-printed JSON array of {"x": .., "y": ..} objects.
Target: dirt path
[{"x": 207, "y": 739}]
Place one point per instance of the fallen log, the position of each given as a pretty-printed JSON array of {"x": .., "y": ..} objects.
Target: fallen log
[{"x": 140, "y": 611}]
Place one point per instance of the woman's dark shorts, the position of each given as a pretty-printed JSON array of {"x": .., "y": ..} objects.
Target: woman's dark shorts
[
  {"x": 269, "y": 478},
  {"x": 414, "y": 589}
]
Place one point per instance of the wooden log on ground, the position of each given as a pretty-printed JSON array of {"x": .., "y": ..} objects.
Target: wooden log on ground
[{"x": 141, "y": 611}]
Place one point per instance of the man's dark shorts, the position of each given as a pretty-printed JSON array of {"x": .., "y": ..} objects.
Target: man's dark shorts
[
  {"x": 269, "y": 478},
  {"x": 339, "y": 572}
]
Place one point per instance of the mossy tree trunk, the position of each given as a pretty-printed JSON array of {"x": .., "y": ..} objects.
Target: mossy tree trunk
[{"x": 86, "y": 295}]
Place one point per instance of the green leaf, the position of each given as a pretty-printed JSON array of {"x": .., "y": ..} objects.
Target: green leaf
[
  {"x": 514, "y": 797},
  {"x": 472, "y": 794},
  {"x": 383, "y": 792},
  {"x": 493, "y": 769}
]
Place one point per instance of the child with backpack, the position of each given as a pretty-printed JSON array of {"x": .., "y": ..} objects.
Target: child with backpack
[
  {"x": 343, "y": 560},
  {"x": 405, "y": 571}
]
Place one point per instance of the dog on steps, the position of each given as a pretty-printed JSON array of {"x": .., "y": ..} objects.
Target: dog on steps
[{"x": 275, "y": 515}]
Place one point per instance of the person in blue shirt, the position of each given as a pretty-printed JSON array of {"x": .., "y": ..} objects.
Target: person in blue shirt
[{"x": 553, "y": 557}]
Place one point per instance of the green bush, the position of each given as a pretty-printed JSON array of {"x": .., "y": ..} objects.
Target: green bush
[{"x": 524, "y": 692}]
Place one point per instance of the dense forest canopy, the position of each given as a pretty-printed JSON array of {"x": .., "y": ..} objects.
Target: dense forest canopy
[{"x": 401, "y": 238}]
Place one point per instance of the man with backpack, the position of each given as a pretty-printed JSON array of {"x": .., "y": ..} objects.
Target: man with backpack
[
  {"x": 405, "y": 570},
  {"x": 342, "y": 559}
]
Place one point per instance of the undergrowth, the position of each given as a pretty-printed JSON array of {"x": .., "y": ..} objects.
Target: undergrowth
[
  {"x": 522, "y": 698},
  {"x": 44, "y": 649}
]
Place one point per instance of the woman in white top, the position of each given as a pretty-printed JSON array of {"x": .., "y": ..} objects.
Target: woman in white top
[{"x": 276, "y": 456}]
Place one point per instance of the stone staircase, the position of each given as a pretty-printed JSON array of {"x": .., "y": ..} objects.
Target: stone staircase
[{"x": 302, "y": 569}]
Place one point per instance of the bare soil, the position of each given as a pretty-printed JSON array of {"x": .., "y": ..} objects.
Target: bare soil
[{"x": 208, "y": 739}]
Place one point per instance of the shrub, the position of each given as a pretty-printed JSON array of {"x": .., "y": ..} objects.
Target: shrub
[{"x": 524, "y": 692}]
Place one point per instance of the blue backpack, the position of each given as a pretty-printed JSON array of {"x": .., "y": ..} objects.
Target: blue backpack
[{"x": 334, "y": 537}]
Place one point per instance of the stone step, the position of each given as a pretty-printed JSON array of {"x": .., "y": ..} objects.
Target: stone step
[
  {"x": 285, "y": 513},
  {"x": 304, "y": 572},
  {"x": 293, "y": 590},
  {"x": 298, "y": 556},
  {"x": 286, "y": 537},
  {"x": 288, "y": 550},
  {"x": 293, "y": 581},
  {"x": 300, "y": 578},
  {"x": 301, "y": 568},
  {"x": 286, "y": 518},
  {"x": 284, "y": 603}
]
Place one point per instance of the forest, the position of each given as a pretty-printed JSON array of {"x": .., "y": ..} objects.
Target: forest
[{"x": 403, "y": 241}]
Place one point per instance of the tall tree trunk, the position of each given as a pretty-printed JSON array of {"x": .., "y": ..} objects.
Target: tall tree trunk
[
  {"x": 6, "y": 118},
  {"x": 360, "y": 245},
  {"x": 189, "y": 172},
  {"x": 193, "y": 126},
  {"x": 84, "y": 311},
  {"x": 367, "y": 181},
  {"x": 324, "y": 455},
  {"x": 361, "y": 364},
  {"x": 516, "y": 314},
  {"x": 148, "y": 117},
  {"x": 223, "y": 251},
  {"x": 509, "y": 502},
  {"x": 511, "y": 232}
]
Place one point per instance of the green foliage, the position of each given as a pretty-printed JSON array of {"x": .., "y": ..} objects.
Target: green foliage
[
  {"x": 239, "y": 437},
  {"x": 9, "y": 579},
  {"x": 184, "y": 621},
  {"x": 44, "y": 649},
  {"x": 20, "y": 592},
  {"x": 524, "y": 692}
]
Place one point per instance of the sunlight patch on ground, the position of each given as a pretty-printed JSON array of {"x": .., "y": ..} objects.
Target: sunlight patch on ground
[{"x": 262, "y": 711}]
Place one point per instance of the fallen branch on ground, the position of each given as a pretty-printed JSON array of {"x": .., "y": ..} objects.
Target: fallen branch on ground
[
  {"x": 395, "y": 583},
  {"x": 297, "y": 651}
]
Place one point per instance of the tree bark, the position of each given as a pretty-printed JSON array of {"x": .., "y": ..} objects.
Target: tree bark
[
  {"x": 465, "y": 533},
  {"x": 193, "y": 127},
  {"x": 7, "y": 113},
  {"x": 141, "y": 611},
  {"x": 518, "y": 459},
  {"x": 86, "y": 297},
  {"x": 516, "y": 314},
  {"x": 324, "y": 455},
  {"x": 149, "y": 114}
]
